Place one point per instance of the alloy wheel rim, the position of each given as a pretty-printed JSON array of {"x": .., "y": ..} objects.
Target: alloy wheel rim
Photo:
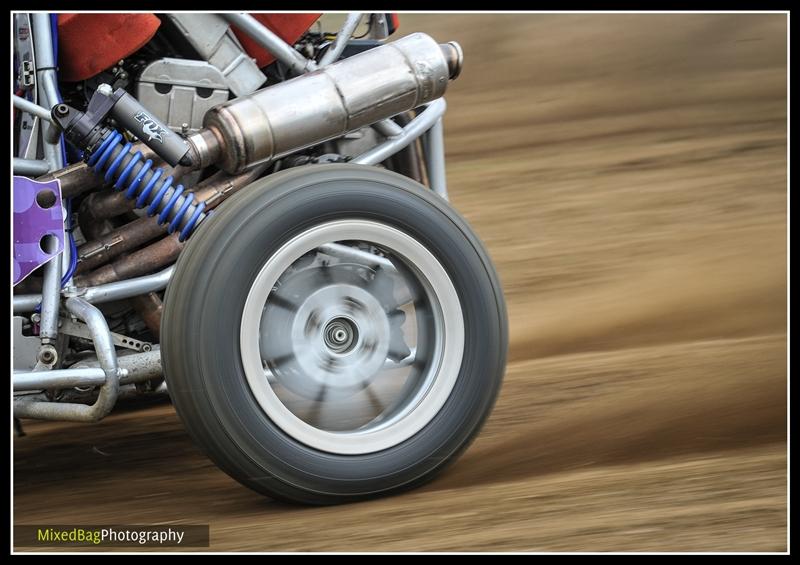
[{"x": 352, "y": 337}]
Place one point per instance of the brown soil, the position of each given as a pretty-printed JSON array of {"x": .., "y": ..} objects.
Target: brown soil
[{"x": 628, "y": 175}]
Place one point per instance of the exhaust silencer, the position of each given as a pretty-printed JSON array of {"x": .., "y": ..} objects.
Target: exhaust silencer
[{"x": 326, "y": 103}]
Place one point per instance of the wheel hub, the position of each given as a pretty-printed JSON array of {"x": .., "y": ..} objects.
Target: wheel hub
[
  {"x": 336, "y": 340},
  {"x": 341, "y": 334},
  {"x": 352, "y": 336}
]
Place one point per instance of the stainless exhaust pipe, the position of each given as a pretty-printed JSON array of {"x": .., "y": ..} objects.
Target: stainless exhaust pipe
[{"x": 326, "y": 103}]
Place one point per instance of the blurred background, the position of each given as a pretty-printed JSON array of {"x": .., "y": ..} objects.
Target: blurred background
[{"x": 628, "y": 174}]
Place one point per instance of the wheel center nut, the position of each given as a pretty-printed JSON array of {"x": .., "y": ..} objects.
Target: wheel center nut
[{"x": 340, "y": 335}]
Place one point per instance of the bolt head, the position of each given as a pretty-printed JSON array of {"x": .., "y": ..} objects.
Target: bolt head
[
  {"x": 47, "y": 355},
  {"x": 105, "y": 89}
]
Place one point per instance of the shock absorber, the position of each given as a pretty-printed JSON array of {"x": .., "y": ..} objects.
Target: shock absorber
[
  {"x": 111, "y": 156},
  {"x": 148, "y": 186}
]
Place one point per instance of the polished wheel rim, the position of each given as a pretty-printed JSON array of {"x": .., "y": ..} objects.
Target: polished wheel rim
[{"x": 352, "y": 337}]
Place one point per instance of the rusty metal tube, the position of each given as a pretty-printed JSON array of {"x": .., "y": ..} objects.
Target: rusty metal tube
[
  {"x": 214, "y": 193},
  {"x": 145, "y": 260},
  {"x": 150, "y": 308},
  {"x": 130, "y": 236},
  {"x": 112, "y": 203},
  {"x": 78, "y": 178},
  {"x": 75, "y": 179},
  {"x": 104, "y": 205}
]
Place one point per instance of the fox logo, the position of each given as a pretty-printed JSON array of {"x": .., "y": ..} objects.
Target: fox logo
[{"x": 150, "y": 127}]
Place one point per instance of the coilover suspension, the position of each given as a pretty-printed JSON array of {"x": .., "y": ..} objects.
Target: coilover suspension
[
  {"x": 118, "y": 164},
  {"x": 109, "y": 155}
]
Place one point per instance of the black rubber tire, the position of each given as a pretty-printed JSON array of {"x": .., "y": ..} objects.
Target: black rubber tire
[{"x": 203, "y": 310}]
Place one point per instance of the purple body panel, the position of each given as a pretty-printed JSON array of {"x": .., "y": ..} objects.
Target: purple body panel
[{"x": 32, "y": 223}]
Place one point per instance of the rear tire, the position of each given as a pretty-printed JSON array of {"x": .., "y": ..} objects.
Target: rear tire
[{"x": 207, "y": 365}]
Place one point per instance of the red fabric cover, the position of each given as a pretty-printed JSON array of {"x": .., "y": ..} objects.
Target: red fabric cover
[
  {"x": 288, "y": 27},
  {"x": 90, "y": 43},
  {"x": 394, "y": 23}
]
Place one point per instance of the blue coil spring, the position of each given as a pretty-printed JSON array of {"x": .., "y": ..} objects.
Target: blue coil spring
[{"x": 102, "y": 163}]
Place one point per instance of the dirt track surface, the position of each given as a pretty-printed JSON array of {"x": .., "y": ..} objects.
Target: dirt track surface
[{"x": 628, "y": 175}]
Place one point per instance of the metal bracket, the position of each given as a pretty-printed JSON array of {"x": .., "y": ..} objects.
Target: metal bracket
[
  {"x": 26, "y": 347},
  {"x": 77, "y": 329},
  {"x": 208, "y": 34},
  {"x": 28, "y": 74}
]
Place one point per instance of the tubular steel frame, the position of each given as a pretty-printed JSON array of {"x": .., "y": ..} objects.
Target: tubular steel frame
[{"x": 427, "y": 125}]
